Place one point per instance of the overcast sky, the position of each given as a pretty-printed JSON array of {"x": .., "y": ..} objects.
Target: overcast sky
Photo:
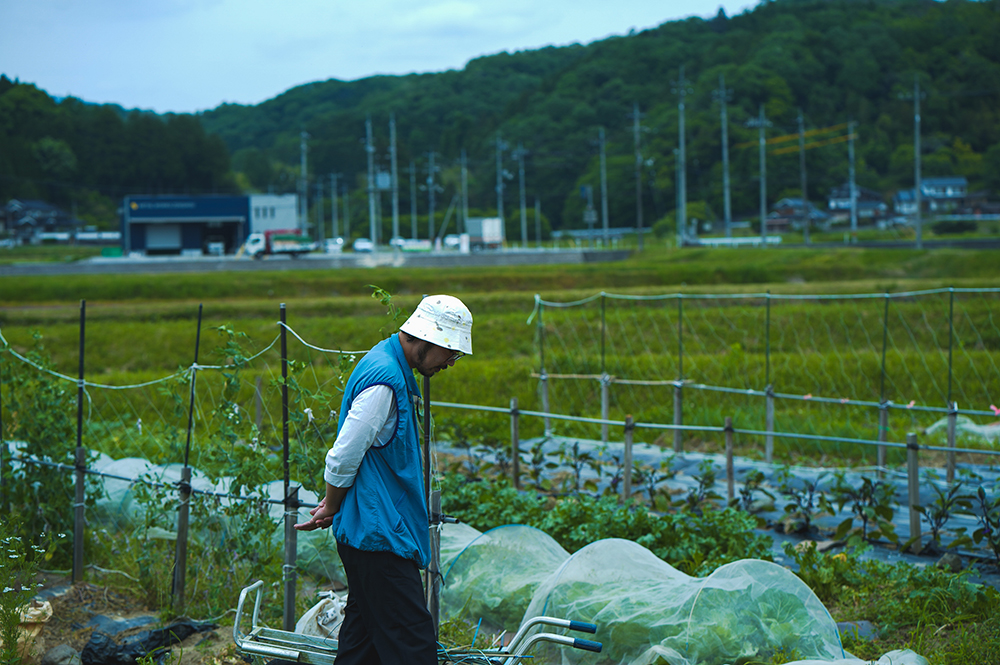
[{"x": 192, "y": 55}]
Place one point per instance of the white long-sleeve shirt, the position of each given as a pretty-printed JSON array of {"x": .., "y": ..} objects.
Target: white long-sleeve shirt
[{"x": 371, "y": 421}]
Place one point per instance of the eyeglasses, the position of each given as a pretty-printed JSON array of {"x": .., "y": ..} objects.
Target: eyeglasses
[{"x": 455, "y": 356}]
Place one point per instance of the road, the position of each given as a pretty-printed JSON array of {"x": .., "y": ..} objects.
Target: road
[{"x": 178, "y": 264}]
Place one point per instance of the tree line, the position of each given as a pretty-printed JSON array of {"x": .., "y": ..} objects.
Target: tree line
[
  {"x": 86, "y": 157},
  {"x": 831, "y": 62}
]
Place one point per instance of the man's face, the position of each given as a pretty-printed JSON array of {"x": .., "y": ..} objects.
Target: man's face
[{"x": 432, "y": 358}]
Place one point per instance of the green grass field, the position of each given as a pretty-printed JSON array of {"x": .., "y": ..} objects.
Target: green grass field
[{"x": 142, "y": 327}]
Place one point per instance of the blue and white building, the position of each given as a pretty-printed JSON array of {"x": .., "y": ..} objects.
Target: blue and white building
[{"x": 201, "y": 225}]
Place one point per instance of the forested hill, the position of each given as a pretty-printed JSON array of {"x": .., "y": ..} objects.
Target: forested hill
[
  {"x": 834, "y": 62},
  {"x": 837, "y": 61}
]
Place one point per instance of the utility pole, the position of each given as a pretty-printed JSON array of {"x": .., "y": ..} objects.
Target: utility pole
[
  {"x": 394, "y": 173},
  {"x": 413, "y": 200},
  {"x": 763, "y": 179},
  {"x": 347, "y": 211},
  {"x": 520, "y": 179},
  {"x": 538, "y": 223},
  {"x": 638, "y": 173},
  {"x": 303, "y": 181},
  {"x": 589, "y": 215},
  {"x": 465, "y": 194},
  {"x": 333, "y": 205},
  {"x": 320, "y": 221},
  {"x": 430, "y": 198},
  {"x": 761, "y": 123},
  {"x": 853, "y": 185},
  {"x": 604, "y": 190},
  {"x": 727, "y": 205},
  {"x": 681, "y": 90},
  {"x": 500, "y": 177},
  {"x": 917, "y": 184},
  {"x": 802, "y": 176},
  {"x": 370, "y": 149}
]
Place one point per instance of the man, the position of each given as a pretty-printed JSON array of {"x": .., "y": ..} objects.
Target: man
[{"x": 375, "y": 496}]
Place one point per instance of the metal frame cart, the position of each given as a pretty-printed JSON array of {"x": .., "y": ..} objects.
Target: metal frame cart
[{"x": 262, "y": 642}]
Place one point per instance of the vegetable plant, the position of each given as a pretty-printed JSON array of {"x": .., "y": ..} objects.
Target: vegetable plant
[
  {"x": 804, "y": 500},
  {"x": 872, "y": 503}
]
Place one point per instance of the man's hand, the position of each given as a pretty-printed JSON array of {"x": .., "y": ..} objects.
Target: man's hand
[{"x": 322, "y": 515}]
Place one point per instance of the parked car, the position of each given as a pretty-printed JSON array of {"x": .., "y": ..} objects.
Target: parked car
[{"x": 364, "y": 245}]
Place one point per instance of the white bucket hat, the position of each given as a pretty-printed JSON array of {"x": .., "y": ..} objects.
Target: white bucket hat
[{"x": 442, "y": 320}]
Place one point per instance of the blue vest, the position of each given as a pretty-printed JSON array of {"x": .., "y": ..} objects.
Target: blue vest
[{"x": 385, "y": 510}]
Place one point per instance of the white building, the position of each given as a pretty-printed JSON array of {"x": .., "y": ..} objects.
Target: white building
[{"x": 274, "y": 212}]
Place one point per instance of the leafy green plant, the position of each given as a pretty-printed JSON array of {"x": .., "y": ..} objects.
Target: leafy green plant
[
  {"x": 753, "y": 482},
  {"x": 536, "y": 464},
  {"x": 647, "y": 478},
  {"x": 948, "y": 502},
  {"x": 695, "y": 544},
  {"x": 615, "y": 476},
  {"x": 872, "y": 502},
  {"x": 804, "y": 500},
  {"x": 702, "y": 494},
  {"x": 393, "y": 311},
  {"x": 20, "y": 560},
  {"x": 577, "y": 461},
  {"x": 41, "y": 411},
  {"x": 987, "y": 511},
  {"x": 827, "y": 574}
]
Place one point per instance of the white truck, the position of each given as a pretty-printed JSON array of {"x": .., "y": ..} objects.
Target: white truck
[
  {"x": 288, "y": 242},
  {"x": 485, "y": 232}
]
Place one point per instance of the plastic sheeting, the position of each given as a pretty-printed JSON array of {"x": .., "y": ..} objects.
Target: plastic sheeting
[
  {"x": 117, "y": 506},
  {"x": 646, "y": 611},
  {"x": 495, "y": 576},
  {"x": 965, "y": 425}
]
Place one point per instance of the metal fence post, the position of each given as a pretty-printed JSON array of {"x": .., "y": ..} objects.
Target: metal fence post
[
  {"x": 605, "y": 406},
  {"x": 180, "y": 560},
  {"x": 515, "y": 443},
  {"x": 627, "y": 460},
  {"x": 769, "y": 426},
  {"x": 291, "y": 541},
  {"x": 79, "y": 519},
  {"x": 730, "y": 473},
  {"x": 678, "y": 385},
  {"x": 542, "y": 376},
  {"x": 913, "y": 489},
  {"x": 883, "y": 435},
  {"x": 883, "y": 416},
  {"x": 678, "y": 416},
  {"x": 289, "y": 574},
  {"x": 952, "y": 427},
  {"x": 769, "y": 389},
  {"x": 184, "y": 507},
  {"x": 434, "y": 572}
]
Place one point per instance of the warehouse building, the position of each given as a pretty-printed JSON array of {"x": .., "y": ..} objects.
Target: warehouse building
[{"x": 201, "y": 225}]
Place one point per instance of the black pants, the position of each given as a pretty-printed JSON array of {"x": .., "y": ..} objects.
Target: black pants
[{"x": 386, "y": 621}]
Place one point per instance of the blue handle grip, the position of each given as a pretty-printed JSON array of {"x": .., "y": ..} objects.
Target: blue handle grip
[
  {"x": 588, "y": 645},
  {"x": 583, "y": 627}
]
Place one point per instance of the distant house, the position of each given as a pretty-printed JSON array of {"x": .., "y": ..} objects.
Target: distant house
[
  {"x": 937, "y": 194},
  {"x": 904, "y": 202},
  {"x": 950, "y": 188},
  {"x": 27, "y": 221},
  {"x": 870, "y": 204},
  {"x": 791, "y": 213}
]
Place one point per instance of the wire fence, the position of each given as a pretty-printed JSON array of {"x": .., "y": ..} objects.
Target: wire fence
[
  {"x": 830, "y": 367},
  {"x": 188, "y": 484}
]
